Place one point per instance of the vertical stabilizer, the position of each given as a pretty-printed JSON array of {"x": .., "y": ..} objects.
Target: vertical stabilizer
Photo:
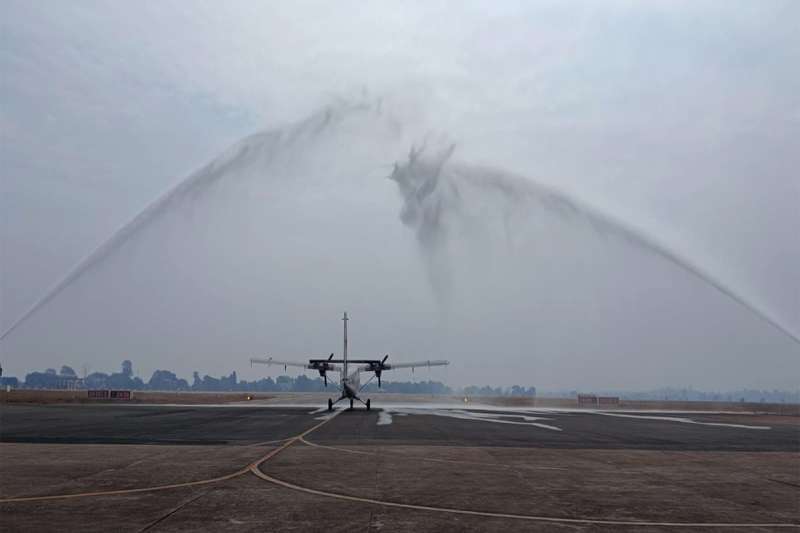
[{"x": 344, "y": 350}]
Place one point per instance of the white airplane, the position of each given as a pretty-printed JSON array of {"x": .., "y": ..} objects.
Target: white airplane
[{"x": 350, "y": 381}]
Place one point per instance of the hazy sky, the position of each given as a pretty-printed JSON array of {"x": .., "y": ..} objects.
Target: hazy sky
[{"x": 680, "y": 118}]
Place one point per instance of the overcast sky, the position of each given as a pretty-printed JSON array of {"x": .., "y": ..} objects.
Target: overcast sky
[{"x": 680, "y": 119}]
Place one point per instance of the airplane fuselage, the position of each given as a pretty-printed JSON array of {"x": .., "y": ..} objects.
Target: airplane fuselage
[{"x": 350, "y": 385}]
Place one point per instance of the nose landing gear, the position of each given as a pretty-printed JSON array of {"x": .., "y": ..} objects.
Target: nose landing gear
[
  {"x": 330, "y": 404},
  {"x": 367, "y": 404}
]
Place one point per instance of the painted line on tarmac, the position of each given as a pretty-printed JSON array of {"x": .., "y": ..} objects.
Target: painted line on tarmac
[
  {"x": 253, "y": 467},
  {"x": 267, "y": 442},
  {"x": 126, "y": 491},
  {"x": 433, "y": 459},
  {"x": 682, "y": 420},
  {"x": 533, "y": 518},
  {"x": 172, "y": 511},
  {"x": 287, "y": 442}
]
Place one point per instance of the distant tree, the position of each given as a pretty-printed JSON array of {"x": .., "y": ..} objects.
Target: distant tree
[
  {"x": 210, "y": 383},
  {"x": 305, "y": 384},
  {"x": 42, "y": 380},
  {"x": 284, "y": 383},
  {"x": 67, "y": 371},
  {"x": 166, "y": 380},
  {"x": 127, "y": 368},
  {"x": 262, "y": 385},
  {"x": 227, "y": 383},
  {"x": 51, "y": 371},
  {"x": 224, "y": 383},
  {"x": 410, "y": 387},
  {"x": 120, "y": 380},
  {"x": 96, "y": 380}
]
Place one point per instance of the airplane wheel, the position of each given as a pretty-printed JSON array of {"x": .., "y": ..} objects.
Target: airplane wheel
[
  {"x": 330, "y": 404},
  {"x": 351, "y": 403},
  {"x": 367, "y": 404}
]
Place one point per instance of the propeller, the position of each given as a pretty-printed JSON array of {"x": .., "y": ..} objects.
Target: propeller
[
  {"x": 323, "y": 369},
  {"x": 379, "y": 369}
]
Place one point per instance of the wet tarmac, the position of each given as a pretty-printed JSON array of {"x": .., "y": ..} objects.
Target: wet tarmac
[
  {"x": 399, "y": 468},
  {"x": 196, "y": 425}
]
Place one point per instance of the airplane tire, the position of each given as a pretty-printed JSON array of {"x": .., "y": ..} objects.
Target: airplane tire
[
  {"x": 367, "y": 404},
  {"x": 351, "y": 403},
  {"x": 330, "y": 404}
]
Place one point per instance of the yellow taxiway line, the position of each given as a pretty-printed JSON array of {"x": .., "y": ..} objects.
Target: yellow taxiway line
[
  {"x": 433, "y": 459},
  {"x": 534, "y": 518},
  {"x": 272, "y": 453}
]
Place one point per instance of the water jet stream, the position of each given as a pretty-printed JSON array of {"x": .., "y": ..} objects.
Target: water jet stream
[{"x": 432, "y": 187}]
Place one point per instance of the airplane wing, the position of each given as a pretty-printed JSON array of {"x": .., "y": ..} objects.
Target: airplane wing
[
  {"x": 380, "y": 365},
  {"x": 271, "y": 361},
  {"x": 323, "y": 366},
  {"x": 416, "y": 364},
  {"x": 298, "y": 364}
]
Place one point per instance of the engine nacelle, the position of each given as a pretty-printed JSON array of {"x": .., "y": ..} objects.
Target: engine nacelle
[{"x": 322, "y": 368}]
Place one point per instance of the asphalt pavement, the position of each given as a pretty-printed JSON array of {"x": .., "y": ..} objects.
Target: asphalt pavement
[{"x": 193, "y": 425}]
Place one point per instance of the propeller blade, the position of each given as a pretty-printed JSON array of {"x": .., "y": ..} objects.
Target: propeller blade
[
  {"x": 385, "y": 358},
  {"x": 331, "y": 357}
]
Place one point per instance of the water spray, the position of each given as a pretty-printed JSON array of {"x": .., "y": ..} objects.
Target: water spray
[{"x": 431, "y": 186}]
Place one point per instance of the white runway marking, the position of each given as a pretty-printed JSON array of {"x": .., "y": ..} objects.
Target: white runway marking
[
  {"x": 682, "y": 420},
  {"x": 384, "y": 418},
  {"x": 497, "y": 418}
]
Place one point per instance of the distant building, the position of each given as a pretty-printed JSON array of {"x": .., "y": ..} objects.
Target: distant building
[
  {"x": 69, "y": 382},
  {"x": 9, "y": 382},
  {"x": 587, "y": 400}
]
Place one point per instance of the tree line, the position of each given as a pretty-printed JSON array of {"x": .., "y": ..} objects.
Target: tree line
[{"x": 165, "y": 380}]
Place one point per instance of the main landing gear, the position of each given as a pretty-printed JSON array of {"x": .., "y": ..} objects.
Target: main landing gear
[{"x": 331, "y": 403}]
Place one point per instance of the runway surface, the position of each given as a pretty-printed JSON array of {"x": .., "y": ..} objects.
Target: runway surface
[
  {"x": 134, "y": 424},
  {"x": 399, "y": 468}
]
